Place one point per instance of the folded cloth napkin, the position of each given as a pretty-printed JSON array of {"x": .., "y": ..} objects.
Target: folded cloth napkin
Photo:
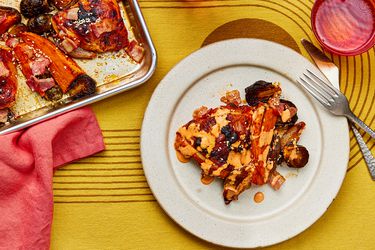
[{"x": 27, "y": 161}]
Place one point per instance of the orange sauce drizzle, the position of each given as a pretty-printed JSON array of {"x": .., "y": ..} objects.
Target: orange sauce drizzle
[
  {"x": 205, "y": 179},
  {"x": 181, "y": 158},
  {"x": 258, "y": 197}
]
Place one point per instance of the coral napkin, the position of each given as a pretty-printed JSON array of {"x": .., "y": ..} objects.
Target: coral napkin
[{"x": 27, "y": 161}]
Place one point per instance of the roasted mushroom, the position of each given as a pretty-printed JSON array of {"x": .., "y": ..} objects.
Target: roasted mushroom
[
  {"x": 8, "y": 18},
  {"x": 40, "y": 24},
  {"x": 295, "y": 156},
  {"x": 261, "y": 91},
  {"x": 32, "y": 8},
  {"x": 288, "y": 113}
]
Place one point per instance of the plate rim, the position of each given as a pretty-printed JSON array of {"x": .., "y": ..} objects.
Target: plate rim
[{"x": 147, "y": 164}]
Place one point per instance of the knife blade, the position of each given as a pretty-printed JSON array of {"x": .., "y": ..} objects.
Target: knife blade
[
  {"x": 331, "y": 72},
  {"x": 324, "y": 64}
]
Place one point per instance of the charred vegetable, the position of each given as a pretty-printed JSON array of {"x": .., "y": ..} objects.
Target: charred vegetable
[
  {"x": 82, "y": 86},
  {"x": 8, "y": 85},
  {"x": 36, "y": 68},
  {"x": 66, "y": 72},
  {"x": 288, "y": 113},
  {"x": 63, "y": 4},
  {"x": 292, "y": 134},
  {"x": 261, "y": 91},
  {"x": 295, "y": 156},
  {"x": 8, "y": 18},
  {"x": 32, "y": 8},
  {"x": 5, "y": 116},
  {"x": 40, "y": 24},
  {"x": 8, "y": 79}
]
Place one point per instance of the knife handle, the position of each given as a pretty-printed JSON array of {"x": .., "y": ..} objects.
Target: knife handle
[
  {"x": 369, "y": 158},
  {"x": 361, "y": 124}
]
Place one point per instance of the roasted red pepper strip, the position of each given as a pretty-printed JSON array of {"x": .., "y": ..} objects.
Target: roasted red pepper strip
[
  {"x": 8, "y": 79},
  {"x": 260, "y": 146},
  {"x": 66, "y": 72},
  {"x": 8, "y": 18}
]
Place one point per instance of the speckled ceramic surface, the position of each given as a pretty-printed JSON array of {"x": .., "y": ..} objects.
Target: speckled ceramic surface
[{"x": 201, "y": 79}]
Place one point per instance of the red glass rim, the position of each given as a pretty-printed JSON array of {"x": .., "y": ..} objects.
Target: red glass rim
[{"x": 344, "y": 52}]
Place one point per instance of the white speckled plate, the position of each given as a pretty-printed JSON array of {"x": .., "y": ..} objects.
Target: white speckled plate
[{"x": 201, "y": 79}]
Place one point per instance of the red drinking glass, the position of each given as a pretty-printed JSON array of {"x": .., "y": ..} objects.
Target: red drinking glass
[{"x": 344, "y": 27}]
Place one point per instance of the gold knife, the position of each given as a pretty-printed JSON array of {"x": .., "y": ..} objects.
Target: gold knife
[{"x": 331, "y": 72}]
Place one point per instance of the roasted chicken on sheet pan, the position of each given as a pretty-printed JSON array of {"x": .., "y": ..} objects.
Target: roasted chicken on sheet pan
[
  {"x": 92, "y": 25},
  {"x": 242, "y": 144},
  {"x": 80, "y": 29}
]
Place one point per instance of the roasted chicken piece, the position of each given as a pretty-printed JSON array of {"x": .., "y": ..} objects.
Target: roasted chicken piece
[
  {"x": 44, "y": 66},
  {"x": 8, "y": 18},
  {"x": 8, "y": 83},
  {"x": 91, "y": 25},
  {"x": 217, "y": 139},
  {"x": 243, "y": 144}
]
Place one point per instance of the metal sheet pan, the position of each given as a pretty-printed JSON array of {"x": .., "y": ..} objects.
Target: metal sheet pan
[{"x": 114, "y": 72}]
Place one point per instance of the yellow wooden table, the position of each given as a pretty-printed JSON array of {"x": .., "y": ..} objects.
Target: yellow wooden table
[{"x": 103, "y": 202}]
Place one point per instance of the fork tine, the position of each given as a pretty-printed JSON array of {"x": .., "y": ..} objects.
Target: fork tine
[
  {"x": 323, "y": 83},
  {"x": 316, "y": 94},
  {"x": 319, "y": 89}
]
